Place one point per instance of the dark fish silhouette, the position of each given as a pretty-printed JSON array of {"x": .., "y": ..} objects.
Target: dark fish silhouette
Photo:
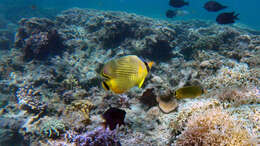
[
  {"x": 213, "y": 6},
  {"x": 178, "y": 3},
  {"x": 33, "y": 7},
  {"x": 114, "y": 116},
  {"x": 171, "y": 13},
  {"x": 227, "y": 18}
]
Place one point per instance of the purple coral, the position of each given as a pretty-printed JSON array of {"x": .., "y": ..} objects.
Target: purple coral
[{"x": 98, "y": 137}]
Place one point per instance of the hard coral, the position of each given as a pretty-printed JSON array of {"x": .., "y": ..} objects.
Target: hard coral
[
  {"x": 213, "y": 127},
  {"x": 178, "y": 123},
  {"x": 239, "y": 96},
  {"x": 167, "y": 102},
  {"x": 52, "y": 127},
  {"x": 238, "y": 75},
  {"x": 29, "y": 99},
  {"x": 38, "y": 38},
  {"x": 84, "y": 106},
  {"x": 108, "y": 29},
  {"x": 98, "y": 137}
]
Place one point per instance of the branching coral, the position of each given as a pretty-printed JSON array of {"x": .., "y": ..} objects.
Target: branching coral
[
  {"x": 29, "y": 99},
  {"x": 178, "y": 123},
  {"x": 213, "y": 127}
]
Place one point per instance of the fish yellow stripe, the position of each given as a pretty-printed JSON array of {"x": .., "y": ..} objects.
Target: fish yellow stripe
[{"x": 124, "y": 73}]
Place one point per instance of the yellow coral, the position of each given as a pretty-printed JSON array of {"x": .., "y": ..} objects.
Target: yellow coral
[
  {"x": 214, "y": 127},
  {"x": 85, "y": 106},
  {"x": 71, "y": 82}
]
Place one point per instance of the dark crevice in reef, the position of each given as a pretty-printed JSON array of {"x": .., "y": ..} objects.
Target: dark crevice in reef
[{"x": 38, "y": 39}]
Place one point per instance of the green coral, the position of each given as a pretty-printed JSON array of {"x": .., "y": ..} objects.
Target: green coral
[{"x": 52, "y": 127}]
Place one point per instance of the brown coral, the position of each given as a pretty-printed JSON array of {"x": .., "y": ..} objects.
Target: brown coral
[
  {"x": 213, "y": 127},
  {"x": 149, "y": 97},
  {"x": 81, "y": 105},
  {"x": 167, "y": 102}
]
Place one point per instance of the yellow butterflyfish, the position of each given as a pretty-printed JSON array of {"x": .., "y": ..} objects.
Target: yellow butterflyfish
[
  {"x": 121, "y": 74},
  {"x": 189, "y": 92}
]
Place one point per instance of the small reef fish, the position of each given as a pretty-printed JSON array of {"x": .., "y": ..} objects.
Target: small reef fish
[
  {"x": 213, "y": 6},
  {"x": 189, "y": 92},
  {"x": 113, "y": 117},
  {"x": 227, "y": 18},
  {"x": 175, "y": 13},
  {"x": 33, "y": 7},
  {"x": 178, "y": 3},
  {"x": 121, "y": 74},
  {"x": 170, "y": 13}
]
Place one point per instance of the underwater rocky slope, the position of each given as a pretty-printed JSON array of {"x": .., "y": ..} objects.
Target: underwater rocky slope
[{"x": 51, "y": 86}]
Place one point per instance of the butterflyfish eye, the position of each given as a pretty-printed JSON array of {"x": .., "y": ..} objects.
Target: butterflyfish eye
[{"x": 104, "y": 84}]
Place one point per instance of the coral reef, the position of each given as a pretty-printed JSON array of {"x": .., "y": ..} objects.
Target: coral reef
[
  {"x": 99, "y": 136},
  {"x": 38, "y": 38},
  {"x": 240, "y": 96},
  {"x": 238, "y": 75},
  {"x": 149, "y": 97},
  {"x": 179, "y": 121},
  {"x": 30, "y": 100},
  {"x": 6, "y": 39},
  {"x": 82, "y": 106},
  {"x": 52, "y": 127},
  {"x": 110, "y": 30},
  {"x": 167, "y": 102},
  {"x": 50, "y": 81},
  {"x": 213, "y": 127},
  {"x": 11, "y": 123}
]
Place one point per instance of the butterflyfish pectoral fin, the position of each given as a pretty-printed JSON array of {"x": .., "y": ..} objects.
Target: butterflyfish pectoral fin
[{"x": 141, "y": 83}]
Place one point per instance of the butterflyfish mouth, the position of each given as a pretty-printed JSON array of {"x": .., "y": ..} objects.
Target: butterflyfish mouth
[{"x": 104, "y": 84}]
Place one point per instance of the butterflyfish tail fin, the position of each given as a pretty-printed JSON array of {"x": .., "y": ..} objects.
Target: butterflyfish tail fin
[{"x": 150, "y": 64}]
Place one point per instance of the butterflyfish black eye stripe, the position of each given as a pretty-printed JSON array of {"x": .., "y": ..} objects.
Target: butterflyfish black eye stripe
[{"x": 105, "y": 85}]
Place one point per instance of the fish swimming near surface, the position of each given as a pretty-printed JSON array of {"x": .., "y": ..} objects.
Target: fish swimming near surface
[
  {"x": 121, "y": 74},
  {"x": 171, "y": 13},
  {"x": 189, "y": 92},
  {"x": 227, "y": 18},
  {"x": 113, "y": 117},
  {"x": 213, "y": 6},
  {"x": 178, "y": 3}
]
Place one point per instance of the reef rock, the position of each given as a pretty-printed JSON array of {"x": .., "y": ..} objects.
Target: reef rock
[{"x": 38, "y": 38}]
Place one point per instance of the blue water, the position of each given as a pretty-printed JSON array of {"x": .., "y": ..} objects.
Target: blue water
[{"x": 248, "y": 10}]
